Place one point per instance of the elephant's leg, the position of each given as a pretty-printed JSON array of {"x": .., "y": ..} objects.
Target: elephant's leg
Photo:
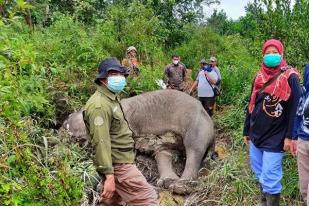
[
  {"x": 165, "y": 167},
  {"x": 193, "y": 163},
  {"x": 184, "y": 184},
  {"x": 196, "y": 144}
]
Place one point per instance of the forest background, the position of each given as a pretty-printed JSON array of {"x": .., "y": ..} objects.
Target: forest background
[{"x": 49, "y": 52}]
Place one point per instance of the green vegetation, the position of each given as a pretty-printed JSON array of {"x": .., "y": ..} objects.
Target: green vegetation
[{"x": 49, "y": 51}]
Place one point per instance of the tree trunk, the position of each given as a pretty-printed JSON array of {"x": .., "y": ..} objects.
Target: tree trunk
[
  {"x": 2, "y": 11},
  {"x": 28, "y": 19}
]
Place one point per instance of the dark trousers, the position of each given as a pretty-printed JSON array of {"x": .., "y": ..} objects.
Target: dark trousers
[{"x": 208, "y": 104}]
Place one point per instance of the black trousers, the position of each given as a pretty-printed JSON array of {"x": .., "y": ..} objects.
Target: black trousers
[{"x": 208, "y": 104}]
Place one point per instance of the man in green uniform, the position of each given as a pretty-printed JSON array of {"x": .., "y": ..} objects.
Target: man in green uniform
[{"x": 112, "y": 142}]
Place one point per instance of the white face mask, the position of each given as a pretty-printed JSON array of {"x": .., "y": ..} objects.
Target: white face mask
[{"x": 175, "y": 62}]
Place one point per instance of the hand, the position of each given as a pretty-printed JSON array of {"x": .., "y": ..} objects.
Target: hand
[
  {"x": 294, "y": 147},
  {"x": 109, "y": 187},
  {"x": 287, "y": 144},
  {"x": 246, "y": 140}
]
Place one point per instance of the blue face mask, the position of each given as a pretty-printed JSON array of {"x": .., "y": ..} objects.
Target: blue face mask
[
  {"x": 116, "y": 83},
  {"x": 207, "y": 68},
  {"x": 272, "y": 60}
]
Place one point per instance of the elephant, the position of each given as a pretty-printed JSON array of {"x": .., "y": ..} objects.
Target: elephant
[{"x": 160, "y": 112}]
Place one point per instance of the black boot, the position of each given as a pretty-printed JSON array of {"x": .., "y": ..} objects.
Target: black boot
[
  {"x": 262, "y": 201},
  {"x": 273, "y": 200}
]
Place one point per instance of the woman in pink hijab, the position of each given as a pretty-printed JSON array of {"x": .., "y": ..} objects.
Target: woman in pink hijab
[{"x": 269, "y": 120}]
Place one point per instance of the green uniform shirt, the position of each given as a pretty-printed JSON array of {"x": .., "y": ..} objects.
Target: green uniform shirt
[{"x": 111, "y": 137}]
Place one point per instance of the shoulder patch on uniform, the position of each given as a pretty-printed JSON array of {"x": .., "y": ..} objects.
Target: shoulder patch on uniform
[{"x": 98, "y": 121}]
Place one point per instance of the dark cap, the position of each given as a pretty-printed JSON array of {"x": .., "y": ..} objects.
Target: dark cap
[{"x": 110, "y": 64}]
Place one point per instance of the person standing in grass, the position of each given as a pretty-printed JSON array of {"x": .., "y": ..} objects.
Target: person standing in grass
[
  {"x": 112, "y": 141},
  {"x": 205, "y": 80},
  {"x": 131, "y": 61},
  {"x": 301, "y": 139},
  {"x": 175, "y": 74},
  {"x": 213, "y": 62},
  {"x": 269, "y": 120}
]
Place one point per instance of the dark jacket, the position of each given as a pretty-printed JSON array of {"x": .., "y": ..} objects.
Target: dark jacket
[
  {"x": 272, "y": 119},
  {"x": 175, "y": 76},
  {"x": 111, "y": 137},
  {"x": 301, "y": 123}
]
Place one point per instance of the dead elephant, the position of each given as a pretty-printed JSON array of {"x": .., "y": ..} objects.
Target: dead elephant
[{"x": 158, "y": 113}]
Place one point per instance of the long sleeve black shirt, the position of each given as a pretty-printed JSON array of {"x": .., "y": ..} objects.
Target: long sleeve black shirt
[{"x": 272, "y": 119}]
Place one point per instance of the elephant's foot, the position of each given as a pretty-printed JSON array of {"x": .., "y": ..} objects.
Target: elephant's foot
[
  {"x": 182, "y": 187},
  {"x": 165, "y": 182}
]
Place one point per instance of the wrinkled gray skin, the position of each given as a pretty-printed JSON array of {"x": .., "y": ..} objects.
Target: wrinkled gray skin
[{"x": 160, "y": 112}]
